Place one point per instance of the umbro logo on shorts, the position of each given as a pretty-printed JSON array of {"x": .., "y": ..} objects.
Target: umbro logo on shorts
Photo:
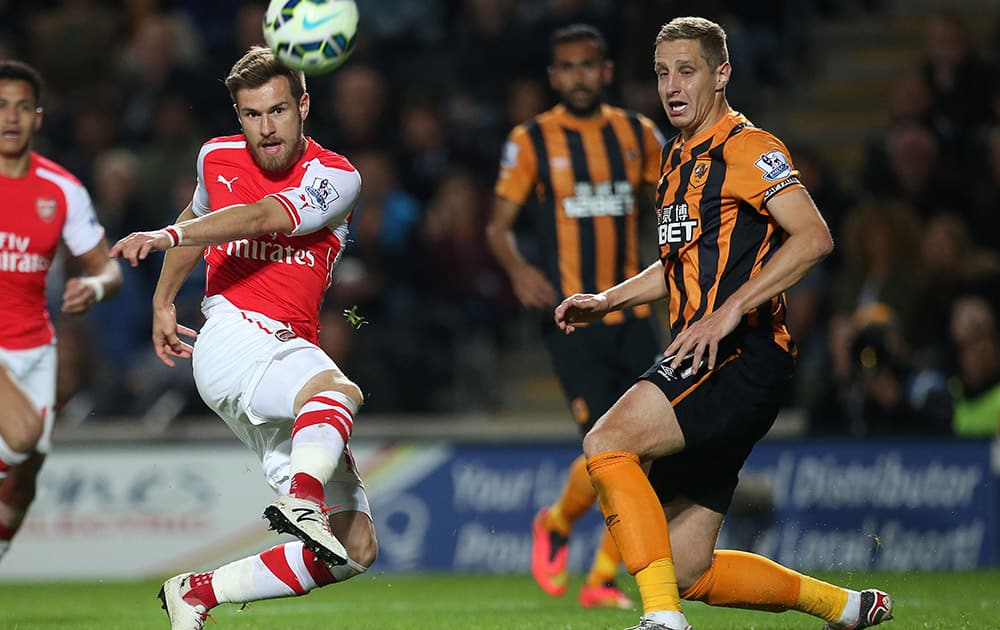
[{"x": 284, "y": 335}]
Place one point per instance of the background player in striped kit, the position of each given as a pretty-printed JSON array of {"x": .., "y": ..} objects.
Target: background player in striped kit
[
  {"x": 581, "y": 170},
  {"x": 43, "y": 204}
]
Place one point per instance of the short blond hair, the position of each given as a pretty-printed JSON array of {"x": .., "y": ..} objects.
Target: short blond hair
[
  {"x": 257, "y": 67},
  {"x": 710, "y": 35}
]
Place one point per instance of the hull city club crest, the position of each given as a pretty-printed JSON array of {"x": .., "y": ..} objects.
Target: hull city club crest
[
  {"x": 700, "y": 172},
  {"x": 46, "y": 209}
]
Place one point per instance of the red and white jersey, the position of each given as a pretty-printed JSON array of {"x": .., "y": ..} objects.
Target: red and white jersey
[
  {"x": 283, "y": 276},
  {"x": 36, "y": 211}
]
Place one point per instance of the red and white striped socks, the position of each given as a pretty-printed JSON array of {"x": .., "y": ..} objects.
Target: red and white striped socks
[
  {"x": 319, "y": 436},
  {"x": 287, "y": 570}
]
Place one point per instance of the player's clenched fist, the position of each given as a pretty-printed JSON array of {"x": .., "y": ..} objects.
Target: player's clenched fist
[
  {"x": 580, "y": 308},
  {"x": 137, "y": 245}
]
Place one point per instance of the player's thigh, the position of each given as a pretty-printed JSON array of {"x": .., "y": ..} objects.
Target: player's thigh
[
  {"x": 694, "y": 531},
  {"x": 641, "y": 422},
  {"x": 276, "y": 395},
  {"x": 722, "y": 416},
  {"x": 27, "y": 395}
]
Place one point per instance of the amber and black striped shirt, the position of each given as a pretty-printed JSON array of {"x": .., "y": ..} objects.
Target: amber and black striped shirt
[
  {"x": 583, "y": 177},
  {"x": 713, "y": 227}
]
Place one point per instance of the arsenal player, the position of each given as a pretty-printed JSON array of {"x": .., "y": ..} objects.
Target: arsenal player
[{"x": 42, "y": 205}]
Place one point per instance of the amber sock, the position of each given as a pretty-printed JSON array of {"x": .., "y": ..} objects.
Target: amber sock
[
  {"x": 744, "y": 580},
  {"x": 577, "y": 497},
  {"x": 635, "y": 519}
]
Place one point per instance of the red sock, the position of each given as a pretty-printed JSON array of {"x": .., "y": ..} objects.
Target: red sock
[
  {"x": 201, "y": 590},
  {"x": 305, "y": 486}
]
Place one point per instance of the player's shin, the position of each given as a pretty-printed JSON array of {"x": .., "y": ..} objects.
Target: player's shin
[
  {"x": 635, "y": 518},
  {"x": 17, "y": 491},
  {"x": 286, "y": 570},
  {"x": 739, "y": 579},
  {"x": 319, "y": 435}
]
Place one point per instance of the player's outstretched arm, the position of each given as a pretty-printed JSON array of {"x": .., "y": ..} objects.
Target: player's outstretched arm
[
  {"x": 103, "y": 279},
  {"x": 229, "y": 224},
  {"x": 581, "y": 308}
]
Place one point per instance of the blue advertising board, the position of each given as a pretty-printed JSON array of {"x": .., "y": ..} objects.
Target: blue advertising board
[
  {"x": 895, "y": 506},
  {"x": 879, "y": 505}
]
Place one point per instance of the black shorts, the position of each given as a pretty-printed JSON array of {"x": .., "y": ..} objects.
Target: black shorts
[
  {"x": 598, "y": 363},
  {"x": 722, "y": 416}
]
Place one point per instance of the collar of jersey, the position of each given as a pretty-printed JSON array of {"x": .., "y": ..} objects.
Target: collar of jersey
[{"x": 723, "y": 126}]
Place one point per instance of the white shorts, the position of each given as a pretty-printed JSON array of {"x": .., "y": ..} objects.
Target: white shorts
[
  {"x": 34, "y": 370},
  {"x": 248, "y": 369}
]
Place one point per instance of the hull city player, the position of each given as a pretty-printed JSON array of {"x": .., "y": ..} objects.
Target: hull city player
[{"x": 736, "y": 229}]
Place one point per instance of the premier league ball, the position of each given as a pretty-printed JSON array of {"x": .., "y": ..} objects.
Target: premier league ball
[{"x": 314, "y": 36}]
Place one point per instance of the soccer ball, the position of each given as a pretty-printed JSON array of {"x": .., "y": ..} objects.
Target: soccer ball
[{"x": 314, "y": 36}]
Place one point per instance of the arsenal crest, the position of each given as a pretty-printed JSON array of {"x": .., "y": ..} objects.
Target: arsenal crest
[{"x": 46, "y": 209}]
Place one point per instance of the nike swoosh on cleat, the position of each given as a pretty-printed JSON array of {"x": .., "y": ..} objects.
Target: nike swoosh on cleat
[{"x": 310, "y": 25}]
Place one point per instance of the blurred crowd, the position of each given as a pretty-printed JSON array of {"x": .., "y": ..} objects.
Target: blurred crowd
[{"x": 898, "y": 330}]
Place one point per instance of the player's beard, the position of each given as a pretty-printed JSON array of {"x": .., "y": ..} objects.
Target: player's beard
[
  {"x": 584, "y": 108},
  {"x": 281, "y": 162}
]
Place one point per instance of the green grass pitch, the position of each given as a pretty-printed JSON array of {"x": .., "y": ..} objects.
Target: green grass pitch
[{"x": 952, "y": 601}]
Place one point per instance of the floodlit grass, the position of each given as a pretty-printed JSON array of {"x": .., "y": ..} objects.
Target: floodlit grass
[{"x": 952, "y": 601}]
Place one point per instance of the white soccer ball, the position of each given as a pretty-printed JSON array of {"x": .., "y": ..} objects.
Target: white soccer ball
[{"x": 314, "y": 36}]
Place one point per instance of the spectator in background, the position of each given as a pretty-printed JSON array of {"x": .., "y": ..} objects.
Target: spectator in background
[
  {"x": 119, "y": 328},
  {"x": 152, "y": 68},
  {"x": 909, "y": 104},
  {"x": 491, "y": 48},
  {"x": 526, "y": 98},
  {"x": 953, "y": 264},
  {"x": 425, "y": 150},
  {"x": 958, "y": 75},
  {"x": 357, "y": 117},
  {"x": 985, "y": 192},
  {"x": 881, "y": 242},
  {"x": 378, "y": 279},
  {"x": 809, "y": 300},
  {"x": 915, "y": 173},
  {"x": 171, "y": 147},
  {"x": 94, "y": 130},
  {"x": 881, "y": 392},
  {"x": 976, "y": 387},
  {"x": 72, "y": 44},
  {"x": 469, "y": 297}
]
